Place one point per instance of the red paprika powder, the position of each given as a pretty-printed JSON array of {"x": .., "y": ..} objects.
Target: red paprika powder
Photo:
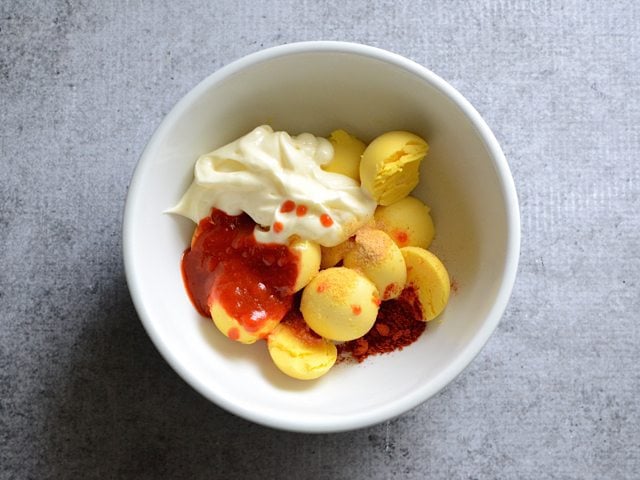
[{"x": 399, "y": 323}]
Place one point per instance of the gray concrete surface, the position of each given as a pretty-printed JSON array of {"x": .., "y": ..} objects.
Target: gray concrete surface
[{"x": 83, "y": 392}]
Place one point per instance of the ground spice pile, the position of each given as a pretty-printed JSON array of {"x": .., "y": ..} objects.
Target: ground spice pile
[{"x": 399, "y": 323}]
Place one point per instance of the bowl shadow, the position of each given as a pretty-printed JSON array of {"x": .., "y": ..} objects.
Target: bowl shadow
[
  {"x": 258, "y": 353},
  {"x": 122, "y": 412}
]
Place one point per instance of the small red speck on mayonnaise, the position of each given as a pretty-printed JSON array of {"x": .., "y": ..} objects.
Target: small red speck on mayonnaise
[
  {"x": 288, "y": 206},
  {"x": 326, "y": 220},
  {"x": 278, "y": 227},
  {"x": 301, "y": 211}
]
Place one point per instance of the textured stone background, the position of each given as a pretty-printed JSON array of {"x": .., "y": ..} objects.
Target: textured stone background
[{"x": 83, "y": 392}]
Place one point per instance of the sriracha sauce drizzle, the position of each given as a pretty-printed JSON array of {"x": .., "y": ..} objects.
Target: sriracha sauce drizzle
[{"x": 252, "y": 281}]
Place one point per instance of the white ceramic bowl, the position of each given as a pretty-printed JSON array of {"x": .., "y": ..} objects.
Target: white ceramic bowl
[{"x": 318, "y": 87}]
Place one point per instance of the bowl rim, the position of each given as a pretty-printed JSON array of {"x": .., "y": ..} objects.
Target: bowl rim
[{"x": 448, "y": 374}]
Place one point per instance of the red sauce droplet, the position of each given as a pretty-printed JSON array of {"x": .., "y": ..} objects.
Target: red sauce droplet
[
  {"x": 326, "y": 220},
  {"x": 233, "y": 333},
  {"x": 321, "y": 287},
  {"x": 402, "y": 237},
  {"x": 226, "y": 264},
  {"x": 301, "y": 211},
  {"x": 288, "y": 206},
  {"x": 376, "y": 301},
  {"x": 356, "y": 309},
  {"x": 278, "y": 227}
]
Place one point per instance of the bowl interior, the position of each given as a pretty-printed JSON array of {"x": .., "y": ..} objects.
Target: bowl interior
[{"x": 318, "y": 91}]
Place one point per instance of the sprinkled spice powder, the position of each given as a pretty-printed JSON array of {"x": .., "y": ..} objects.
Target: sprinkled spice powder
[
  {"x": 399, "y": 323},
  {"x": 294, "y": 320}
]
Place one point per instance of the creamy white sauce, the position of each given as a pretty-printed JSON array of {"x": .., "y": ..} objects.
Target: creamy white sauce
[{"x": 261, "y": 171}]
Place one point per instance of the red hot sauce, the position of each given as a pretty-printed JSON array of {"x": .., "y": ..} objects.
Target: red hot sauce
[{"x": 252, "y": 281}]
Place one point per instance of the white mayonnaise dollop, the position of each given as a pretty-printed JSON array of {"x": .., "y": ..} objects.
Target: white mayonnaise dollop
[{"x": 262, "y": 172}]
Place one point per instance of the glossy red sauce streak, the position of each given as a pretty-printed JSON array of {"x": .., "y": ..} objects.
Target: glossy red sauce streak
[{"x": 252, "y": 281}]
